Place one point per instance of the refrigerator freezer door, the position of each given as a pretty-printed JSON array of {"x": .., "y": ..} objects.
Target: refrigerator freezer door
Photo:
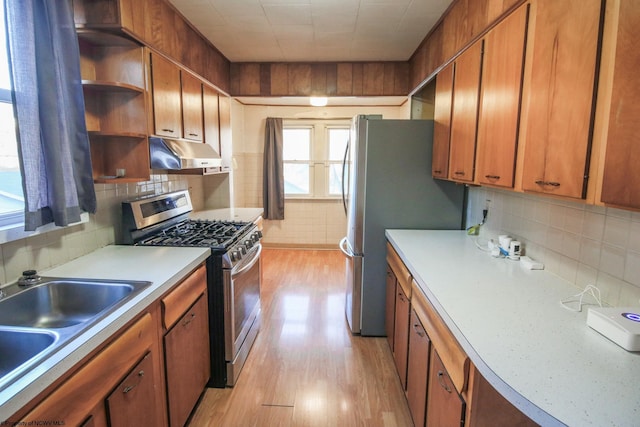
[{"x": 353, "y": 273}]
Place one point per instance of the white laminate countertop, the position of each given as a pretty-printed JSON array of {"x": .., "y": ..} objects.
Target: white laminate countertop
[
  {"x": 228, "y": 214},
  {"x": 162, "y": 266},
  {"x": 540, "y": 356}
]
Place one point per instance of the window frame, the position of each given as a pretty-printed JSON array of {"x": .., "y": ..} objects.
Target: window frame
[{"x": 319, "y": 162}]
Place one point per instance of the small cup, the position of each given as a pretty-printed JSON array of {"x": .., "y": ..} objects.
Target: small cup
[{"x": 120, "y": 172}]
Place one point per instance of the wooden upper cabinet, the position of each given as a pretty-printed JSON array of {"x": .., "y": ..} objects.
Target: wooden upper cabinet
[
  {"x": 498, "y": 119},
  {"x": 167, "y": 109},
  {"x": 191, "y": 106},
  {"x": 464, "y": 117},
  {"x": 442, "y": 122},
  {"x": 621, "y": 180},
  {"x": 211, "y": 117},
  {"x": 558, "y": 99}
]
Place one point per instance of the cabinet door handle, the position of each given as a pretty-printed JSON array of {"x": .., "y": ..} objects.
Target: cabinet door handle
[
  {"x": 492, "y": 176},
  {"x": 550, "y": 183},
  {"x": 167, "y": 130},
  {"x": 128, "y": 388},
  {"x": 442, "y": 382},
  {"x": 418, "y": 329},
  {"x": 459, "y": 173},
  {"x": 193, "y": 134},
  {"x": 438, "y": 172}
]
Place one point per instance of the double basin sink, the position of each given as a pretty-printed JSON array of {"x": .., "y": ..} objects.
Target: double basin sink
[{"x": 39, "y": 319}]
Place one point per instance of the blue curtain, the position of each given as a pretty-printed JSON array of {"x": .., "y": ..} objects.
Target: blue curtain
[{"x": 53, "y": 144}]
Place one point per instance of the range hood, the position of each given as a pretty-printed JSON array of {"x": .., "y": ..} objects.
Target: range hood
[{"x": 179, "y": 154}]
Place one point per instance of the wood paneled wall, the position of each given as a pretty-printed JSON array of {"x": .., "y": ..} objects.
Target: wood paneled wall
[
  {"x": 464, "y": 21},
  {"x": 157, "y": 24},
  {"x": 320, "y": 78}
]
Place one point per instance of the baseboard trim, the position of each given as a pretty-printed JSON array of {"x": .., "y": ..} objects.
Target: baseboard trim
[{"x": 321, "y": 247}]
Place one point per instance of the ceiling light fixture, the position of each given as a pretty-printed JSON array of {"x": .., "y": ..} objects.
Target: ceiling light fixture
[{"x": 318, "y": 101}]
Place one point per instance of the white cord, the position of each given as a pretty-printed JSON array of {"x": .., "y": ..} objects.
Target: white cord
[
  {"x": 588, "y": 290},
  {"x": 482, "y": 248}
]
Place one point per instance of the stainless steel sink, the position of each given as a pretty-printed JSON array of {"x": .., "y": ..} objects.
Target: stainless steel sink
[
  {"x": 61, "y": 303},
  {"x": 38, "y": 320},
  {"x": 18, "y": 347}
]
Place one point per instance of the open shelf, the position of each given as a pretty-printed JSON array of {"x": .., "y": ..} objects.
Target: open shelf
[{"x": 111, "y": 86}]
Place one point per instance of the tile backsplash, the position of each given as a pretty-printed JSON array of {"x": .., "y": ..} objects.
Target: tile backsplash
[
  {"x": 581, "y": 243},
  {"x": 56, "y": 247}
]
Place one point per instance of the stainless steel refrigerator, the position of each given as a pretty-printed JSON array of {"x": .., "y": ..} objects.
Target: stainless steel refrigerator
[{"x": 388, "y": 184}]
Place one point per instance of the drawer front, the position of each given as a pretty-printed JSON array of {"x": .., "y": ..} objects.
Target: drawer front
[
  {"x": 178, "y": 301},
  {"x": 399, "y": 269},
  {"x": 452, "y": 355}
]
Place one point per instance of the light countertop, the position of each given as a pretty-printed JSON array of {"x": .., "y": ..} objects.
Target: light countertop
[
  {"x": 228, "y": 214},
  {"x": 162, "y": 266},
  {"x": 539, "y": 355}
]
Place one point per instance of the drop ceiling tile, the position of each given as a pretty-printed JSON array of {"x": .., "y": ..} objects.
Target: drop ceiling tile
[
  {"x": 354, "y": 30},
  {"x": 237, "y": 7},
  {"x": 296, "y": 14},
  {"x": 387, "y": 14}
]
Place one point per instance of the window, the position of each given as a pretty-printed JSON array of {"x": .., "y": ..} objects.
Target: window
[
  {"x": 296, "y": 156},
  {"x": 11, "y": 195},
  {"x": 313, "y": 153}
]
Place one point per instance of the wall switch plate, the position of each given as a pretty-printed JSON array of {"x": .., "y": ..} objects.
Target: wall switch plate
[{"x": 620, "y": 324}]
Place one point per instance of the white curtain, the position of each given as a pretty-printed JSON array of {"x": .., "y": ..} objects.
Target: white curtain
[{"x": 48, "y": 102}]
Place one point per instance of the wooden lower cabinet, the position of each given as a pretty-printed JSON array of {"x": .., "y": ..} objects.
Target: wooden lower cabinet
[
  {"x": 417, "y": 370},
  {"x": 443, "y": 388},
  {"x": 390, "y": 307},
  {"x": 130, "y": 380},
  {"x": 82, "y": 398},
  {"x": 186, "y": 348},
  {"x": 445, "y": 406},
  {"x": 401, "y": 334},
  {"x": 133, "y": 402}
]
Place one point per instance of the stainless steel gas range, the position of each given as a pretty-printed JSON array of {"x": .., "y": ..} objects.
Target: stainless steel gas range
[{"x": 233, "y": 271}]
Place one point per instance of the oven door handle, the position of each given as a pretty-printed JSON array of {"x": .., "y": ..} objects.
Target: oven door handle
[{"x": 246, "y": 265}]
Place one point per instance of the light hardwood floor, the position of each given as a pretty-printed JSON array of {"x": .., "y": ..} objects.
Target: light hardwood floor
[{"x": 305, "y": 368}]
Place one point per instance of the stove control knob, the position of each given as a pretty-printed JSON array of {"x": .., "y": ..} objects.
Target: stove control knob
[
  {"x": 248, "y": 243},
  {"x": 238, "y": 254},
  {"x": 242, "y": 249}
]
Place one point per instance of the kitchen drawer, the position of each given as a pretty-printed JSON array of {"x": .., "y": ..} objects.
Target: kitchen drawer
[
  {"x": 399, "y": 269},
  {"x": 178, "y": 301},
  {"x": 452, "y": 355}
]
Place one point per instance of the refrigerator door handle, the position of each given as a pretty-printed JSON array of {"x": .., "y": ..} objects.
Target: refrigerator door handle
[
  {"x": 344, "y": 248},
  {"x": 344, "y": 168}
]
